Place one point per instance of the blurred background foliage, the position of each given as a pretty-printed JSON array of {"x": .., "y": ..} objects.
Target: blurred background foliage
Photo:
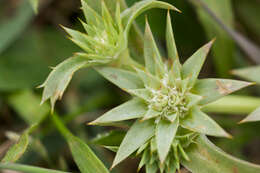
[{"x": 30, "y": 44}]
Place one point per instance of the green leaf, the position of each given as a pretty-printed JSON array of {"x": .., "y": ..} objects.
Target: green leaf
[
  {"x": 35, "y": 5},
  {"x": 27, "y": 105},
  {"x": 200, "y": 122},
  {"x": 191, "y": 68},
  {"x": 143, "y": 93},
  {"x": 84, "y": 157},
  {"x": 158, "y": 62},
  {"x": 136, "y": 136},
  {"x": 59, "y": 78},
  {"x": 148, "y": 51},
  {"x": 132, "y": 109},
  {"x": 129, "y": 15},
  {"x": 250, "y": 73},
  {"x": 18, "y": 149},
  {"x": 27, "y": 169},
  {"x": 122, "y": 78},
  {"x": 213, "y": 89},
  {"x": 164, "y": 135},
  {"x": 170, "y": 41},
  {"x": 205, "y": 157},
  {"x": 254, "y": 116}
]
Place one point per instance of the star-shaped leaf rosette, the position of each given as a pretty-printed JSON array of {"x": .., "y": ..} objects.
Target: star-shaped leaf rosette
[
  {"x": 104, "y": 42},
  {"x": 167, "y": 102}
]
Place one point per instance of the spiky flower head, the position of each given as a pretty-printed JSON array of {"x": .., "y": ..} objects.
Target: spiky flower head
[
  {"x": 103, "y": 42},
  {"x": 168, "y": 98},
  {"x": 104, "y": 39}
]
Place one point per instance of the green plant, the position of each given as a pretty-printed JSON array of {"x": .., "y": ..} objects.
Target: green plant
[{"x": 167, "y": 98}]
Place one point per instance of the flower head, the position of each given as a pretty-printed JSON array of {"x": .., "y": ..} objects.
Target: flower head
[
  {"x": 104, "y": 39},
  {"x": 167, "y": 102}
]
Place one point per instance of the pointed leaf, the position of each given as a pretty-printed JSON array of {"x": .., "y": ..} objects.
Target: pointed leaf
[
  {"x": 254, "y": 116},
  {"x": 136, "y": 136},
  {"x": 27, "y": 169},
  {"x": 159, "y": 65},
  {"x": 192, "y": 66},
  {"x": 199, "y": 122},
  {"x": 92, "y": 17},
  {"x": 164, "y": 135},
  {"x": 205, "y": 157},
  {"x": 122, "y": 78},
  {"x": 112, "y": 138},
  {"x": 59, "y": 78},
  {"x": 170, "y": 41},
  {"x": 84, "y": 157},
  {"x": 250, "y": 73},
  {"x": 148, "y": 51},
  {"x": 130, "y": 110},
  {"x": 18, "y": 149},
  {"x": 213, "y": 89}
]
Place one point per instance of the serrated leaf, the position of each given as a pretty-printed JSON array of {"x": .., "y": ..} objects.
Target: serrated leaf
[
  {"x": 130, "y": 14},
  {"x": 27, "y": 169},
  {"x": 213, "y": 89},
  {"x": 164, "y": 135},
  {"x": 200, "y": 122},
  {"x": 214, "y": 160},
  {"x": 132, "y": 109},
  {"x": 250, "y": 73},
  {"x": 84, "y": 157},
  {"x": 59, "y": 78},
  {"x": 136, "y": 136},
  {"x": 122, "y": 78},
  {"x": 170, "y": 41},
  {"x": 254, "y": 116},
  {"x": 191, "y": 68},
  {"x": 18, "y": 149}
]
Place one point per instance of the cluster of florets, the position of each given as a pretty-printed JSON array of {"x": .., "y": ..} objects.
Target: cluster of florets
[{"x": 168, "y": 99}]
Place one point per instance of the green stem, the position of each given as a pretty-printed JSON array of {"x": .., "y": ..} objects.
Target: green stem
[
  {"x": 60, "y": 126},
  {"x": 27, "y": 169},
  {"x": 233, "y": 104}
]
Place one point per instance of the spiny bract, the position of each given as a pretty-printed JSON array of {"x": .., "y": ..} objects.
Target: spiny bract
[{"x": 167, "y": 104}]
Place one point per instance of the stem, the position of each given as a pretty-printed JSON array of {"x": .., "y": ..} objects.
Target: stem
[{"x": 233, "y": 104}]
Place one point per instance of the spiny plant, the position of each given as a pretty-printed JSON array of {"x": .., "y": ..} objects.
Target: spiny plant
[
  {"x": 170, "y": 127},
  {"x": 167, "y": 102}
]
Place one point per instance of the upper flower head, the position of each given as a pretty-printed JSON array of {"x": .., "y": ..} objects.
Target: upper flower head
[{"x": 104, "y": 39}]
